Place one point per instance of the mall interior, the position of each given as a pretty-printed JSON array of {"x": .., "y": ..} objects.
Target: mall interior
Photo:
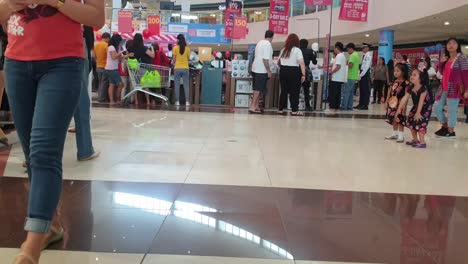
[{"x": 207, "y": 179}]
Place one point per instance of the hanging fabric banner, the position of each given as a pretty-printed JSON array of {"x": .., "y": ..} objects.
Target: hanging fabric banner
[
  {"x": 279, "y": 16},
  {"x": 318, "y": 2},
  {"x": 354, "y": 10},
  {"x": 125, "y": 19},
  {"x": 233, "y": 10},
  {"x": 240, "y": 28}
]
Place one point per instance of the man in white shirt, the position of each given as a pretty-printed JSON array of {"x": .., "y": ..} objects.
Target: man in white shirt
[
  {"x": 364, "y": 83},
  {"x": 338, "y": 77},
  {"x": 261, "y": 70}
]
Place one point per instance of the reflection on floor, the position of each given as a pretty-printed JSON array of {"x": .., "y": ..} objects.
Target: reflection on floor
[
  {"x": 182, "y": 187},
  {"x": 249, "y": 222}
]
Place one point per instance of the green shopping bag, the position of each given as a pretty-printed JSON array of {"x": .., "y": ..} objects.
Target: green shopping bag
[
  {"x": 132, "y": 64},
  {"x": 151, "y": 79}
]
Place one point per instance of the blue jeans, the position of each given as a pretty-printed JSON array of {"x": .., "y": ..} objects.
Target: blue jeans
[
  {"x": 43, "y": 96},
  {"x": 348, "y": 95},
  {"x": 82, "y": 117},
  {"x": 452, "y": 110},
  {"x": 184, "y": 74}
]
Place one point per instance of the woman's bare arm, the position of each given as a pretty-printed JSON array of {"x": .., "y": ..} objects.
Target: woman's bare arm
[
  {"x": 8, "y": 7},
  {"x": 91, "y": 13},
  {"x": 150, "y": 52}
]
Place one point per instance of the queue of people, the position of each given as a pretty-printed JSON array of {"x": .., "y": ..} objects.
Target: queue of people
[{"x": 294, "y": 72}]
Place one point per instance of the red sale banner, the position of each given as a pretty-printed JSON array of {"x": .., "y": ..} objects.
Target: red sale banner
[
  {"x": 233, "y": 10},
  {"x": 125, "y": 19},
  {"x": 318, "y": 2},
  {"x": 154, "y": 24},
  {"x": 279, "y": 16},
  {"x": 354, "y": 10},
  {"x": 240, "y": 28}
]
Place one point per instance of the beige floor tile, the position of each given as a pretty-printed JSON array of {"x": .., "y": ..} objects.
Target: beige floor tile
[
  {"x": 175, "y": 259},
  {"x": 74, "y": 257}
]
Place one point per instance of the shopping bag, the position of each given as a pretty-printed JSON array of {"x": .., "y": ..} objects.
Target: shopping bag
[
  {"x": 132, "y": 64},
  {"x": 151, "y": 79}
]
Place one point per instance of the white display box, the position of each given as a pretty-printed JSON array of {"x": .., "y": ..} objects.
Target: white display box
[
  {"x": 244, "y": 86},
  {"x": 243, "y": 100}
]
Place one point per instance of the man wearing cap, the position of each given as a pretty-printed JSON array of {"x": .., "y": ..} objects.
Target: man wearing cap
[{"x": 364, "y": 84}]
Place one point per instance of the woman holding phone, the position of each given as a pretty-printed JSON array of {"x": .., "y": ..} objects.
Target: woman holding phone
[{"x": 43, "y": 85}]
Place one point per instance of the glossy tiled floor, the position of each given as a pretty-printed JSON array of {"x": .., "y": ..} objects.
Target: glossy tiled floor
[{"x": 185, "y": 187}]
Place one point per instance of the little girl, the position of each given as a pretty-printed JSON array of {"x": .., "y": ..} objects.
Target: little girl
[
  {"x": 393, "y": 101},
  {"x": 420, "y": 113}
]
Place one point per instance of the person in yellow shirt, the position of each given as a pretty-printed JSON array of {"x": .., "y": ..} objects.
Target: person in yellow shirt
[
  {"x": 100, "y": 53},
  {"x": 180, "y": 57}
]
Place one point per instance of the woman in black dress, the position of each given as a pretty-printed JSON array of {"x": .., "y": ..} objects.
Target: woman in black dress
[
  {"x": 420, "y": 113},
  {"x": 394, "y": 97}
]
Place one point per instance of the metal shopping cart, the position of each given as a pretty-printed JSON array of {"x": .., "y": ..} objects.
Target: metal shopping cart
[{"x": 149, "y": 79}]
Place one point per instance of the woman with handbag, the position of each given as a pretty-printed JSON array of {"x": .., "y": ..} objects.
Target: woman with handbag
[{"x": 454, "y": 87}]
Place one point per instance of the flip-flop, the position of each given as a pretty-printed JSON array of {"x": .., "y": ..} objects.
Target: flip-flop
[
  {"x": 256, "y": 112},
  {"x": 297, "y": 114}
]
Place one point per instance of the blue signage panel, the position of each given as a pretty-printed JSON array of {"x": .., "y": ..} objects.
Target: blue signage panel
[
  {"x": 200, "y": 33},
  {"x": 386, "y": 44}
]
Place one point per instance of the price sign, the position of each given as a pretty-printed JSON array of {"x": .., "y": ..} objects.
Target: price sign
[
  {"x": 240, "y": 28},
  {"x": 154, "y": 24}
]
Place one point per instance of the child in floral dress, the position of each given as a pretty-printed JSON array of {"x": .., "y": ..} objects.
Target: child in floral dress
[
  {"x": 395, "y": 95},
  {"x": 420, "y": 113}
]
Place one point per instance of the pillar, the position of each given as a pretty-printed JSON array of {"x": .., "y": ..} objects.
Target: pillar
[{"x": 386, "y": 44}]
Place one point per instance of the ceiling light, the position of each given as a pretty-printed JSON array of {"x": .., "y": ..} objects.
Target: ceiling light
[
  {"x": 367, "y": 35},
  {"x": 258, "y": 12},
  {"x": 212, "y": 15},
  {"x": 447, "y": 23},
  {"x": 466, "y": 47}
]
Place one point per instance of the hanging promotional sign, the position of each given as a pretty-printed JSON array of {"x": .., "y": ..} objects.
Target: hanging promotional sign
[
  {"x": 200, "y": 33},
  {"x": 154, "y": 24},
  {"x": 125, "y": 19},
  {"x": 279, "y": 16},
  {"x": 354, "y": 10},
  {"x": 240, "y": 28},
  {"x": 233, "y": 10},
  {"x": 318, "y": 2}
]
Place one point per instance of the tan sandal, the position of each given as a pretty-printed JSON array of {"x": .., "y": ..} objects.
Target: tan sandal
[
  {"x": 22, "y": 258},
  {"x": 55, "y": 236}
]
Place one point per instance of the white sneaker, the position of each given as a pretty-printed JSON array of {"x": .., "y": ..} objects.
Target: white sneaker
[
  {"x": 187, "y": 104},
  {"x": 393, "y": 137},
  {"x": 177, "y": 103}
]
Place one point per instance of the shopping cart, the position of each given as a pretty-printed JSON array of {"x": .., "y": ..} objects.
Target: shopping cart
[{"x": 149, "y": 79}]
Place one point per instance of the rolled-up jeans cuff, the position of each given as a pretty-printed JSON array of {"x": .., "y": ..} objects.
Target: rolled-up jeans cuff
[{"x": 37, "y": 225}]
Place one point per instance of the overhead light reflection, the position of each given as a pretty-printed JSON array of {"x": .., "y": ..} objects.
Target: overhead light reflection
[{"x": 189, "y": 211}]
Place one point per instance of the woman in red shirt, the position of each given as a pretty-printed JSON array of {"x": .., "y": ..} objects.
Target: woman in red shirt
[{"x": 43, "y": 69}]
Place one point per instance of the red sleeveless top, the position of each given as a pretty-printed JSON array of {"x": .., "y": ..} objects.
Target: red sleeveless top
[{"x": 43, "y": 33}]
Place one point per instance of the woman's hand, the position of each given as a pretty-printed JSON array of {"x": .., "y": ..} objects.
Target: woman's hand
[
  {"x": 465, "y": 94},
  {"x": 303, "y": 79},
  {"x": 418, "y": 117},
  {"x": 17, "y": 5}
]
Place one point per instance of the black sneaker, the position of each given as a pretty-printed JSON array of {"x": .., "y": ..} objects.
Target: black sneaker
[
  {"x": 441, "y": 132},
  {"x": 449, "y": 135}
]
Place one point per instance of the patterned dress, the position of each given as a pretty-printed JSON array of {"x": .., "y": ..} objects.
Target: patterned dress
[
  {"x": 396, "y": 93},
  {"x": 426, "y": 111}
]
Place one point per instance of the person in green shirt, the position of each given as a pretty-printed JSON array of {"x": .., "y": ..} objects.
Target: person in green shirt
[{"x": 353, "y": 77}]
